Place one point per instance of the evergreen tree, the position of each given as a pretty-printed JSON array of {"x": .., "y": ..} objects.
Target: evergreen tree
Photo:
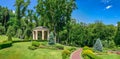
[
  {"x": 51, "y": 38},
  {"x": 98, "y": 45}
]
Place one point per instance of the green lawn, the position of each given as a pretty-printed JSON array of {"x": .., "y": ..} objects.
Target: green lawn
[
  {"x": 20, "y": 51},
  {"x": 110, "y": 56}
]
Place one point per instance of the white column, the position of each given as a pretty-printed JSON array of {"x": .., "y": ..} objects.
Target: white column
[
  {"x": 33, "y": 35},
  {"x": 47, "y": 35},
  {"x": 42, "y": 34},
  {"x": 36, "y": 35}
]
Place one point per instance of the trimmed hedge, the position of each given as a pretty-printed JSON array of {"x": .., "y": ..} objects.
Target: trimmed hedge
[
  {"x": 32, "y": 47},
  {"x": 61, "y": 47},
  {"x": 15, "y": 41},
  {"x": 35, "y": 43},
  {"x": 5, "y": 44}
]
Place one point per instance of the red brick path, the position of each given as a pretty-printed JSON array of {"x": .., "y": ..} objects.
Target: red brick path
[{"x": 76, "y": 54}]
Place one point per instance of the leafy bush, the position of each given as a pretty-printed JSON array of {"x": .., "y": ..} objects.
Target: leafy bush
[
  {"x": 35, "y": 43},
  {"x": 59, "y": 47},
  {"x": 65, "y": 54},
  {"x": 98, "y": 45},
  {"x": 87, "y": 53},
  {"x": 86, "y": 48},
  {"x": 72, "y": 49},
  {"x": 5, "y": 44},
  {"x": 32, "y": 47},
  {"x": 112, "y": 44},
  {"x": 9, "y": 38}
]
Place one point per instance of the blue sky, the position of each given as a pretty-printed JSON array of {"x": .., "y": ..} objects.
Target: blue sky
[{"x": 88, "y": 11}]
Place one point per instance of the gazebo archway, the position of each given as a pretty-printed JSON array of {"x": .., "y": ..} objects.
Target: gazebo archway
[{"x": 40, "y": 33}]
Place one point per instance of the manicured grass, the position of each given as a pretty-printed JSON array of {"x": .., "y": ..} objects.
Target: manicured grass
[
  {"x": 110, "y": 56},
  {"x": 20, "y": 51}
]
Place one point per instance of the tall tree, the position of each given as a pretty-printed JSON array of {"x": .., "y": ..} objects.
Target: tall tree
[
  {"x": 117, "y": 37},
  {"x": 55, "y": 12},
  {"x": 21, "y": 7}
]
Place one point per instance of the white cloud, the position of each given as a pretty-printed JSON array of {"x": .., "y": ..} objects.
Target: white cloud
[{"x": 108, "y": 7}]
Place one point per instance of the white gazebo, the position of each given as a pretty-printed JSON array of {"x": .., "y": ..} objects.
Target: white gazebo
[{"x": 40, "y": 32}]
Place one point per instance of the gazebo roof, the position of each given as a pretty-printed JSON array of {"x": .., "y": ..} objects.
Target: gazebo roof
[{"x": 41, "y": 28}]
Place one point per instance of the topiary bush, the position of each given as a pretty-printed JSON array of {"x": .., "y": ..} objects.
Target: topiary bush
[
  {"x": 5, "y": 44},
  {"x": 98, "y": 45},
  {"x": 35, "y": 43}
]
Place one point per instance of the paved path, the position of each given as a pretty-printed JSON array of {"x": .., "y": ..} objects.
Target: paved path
[{"x": 76, "y": 54}]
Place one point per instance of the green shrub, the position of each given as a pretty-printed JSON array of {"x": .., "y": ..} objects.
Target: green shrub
[
  {"x": 87, "y": 53},
  {"x": 61, "y": 47},
  {"x": 5, "y": 44},
  {"x": 32, "y": 47},
  {"x": 9, "y": 38},
  {"x": 112, "y": 44},
  {"x": 72, "y": 49},
  {"x": 65, "y": 54},
  {"x": 86, "y": 48},
  {"x": 35, "y": 43},
  {"x": 98, "y": 45}
]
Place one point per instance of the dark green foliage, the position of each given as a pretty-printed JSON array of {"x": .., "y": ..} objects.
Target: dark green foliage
[
  {"x": 117, "y": 37},
  {"x": 51, "y": 39},
  {"x": 98, "y": 45},
  {"x": 35, "y": 43},
  {"x": 5, "y": 44}
]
